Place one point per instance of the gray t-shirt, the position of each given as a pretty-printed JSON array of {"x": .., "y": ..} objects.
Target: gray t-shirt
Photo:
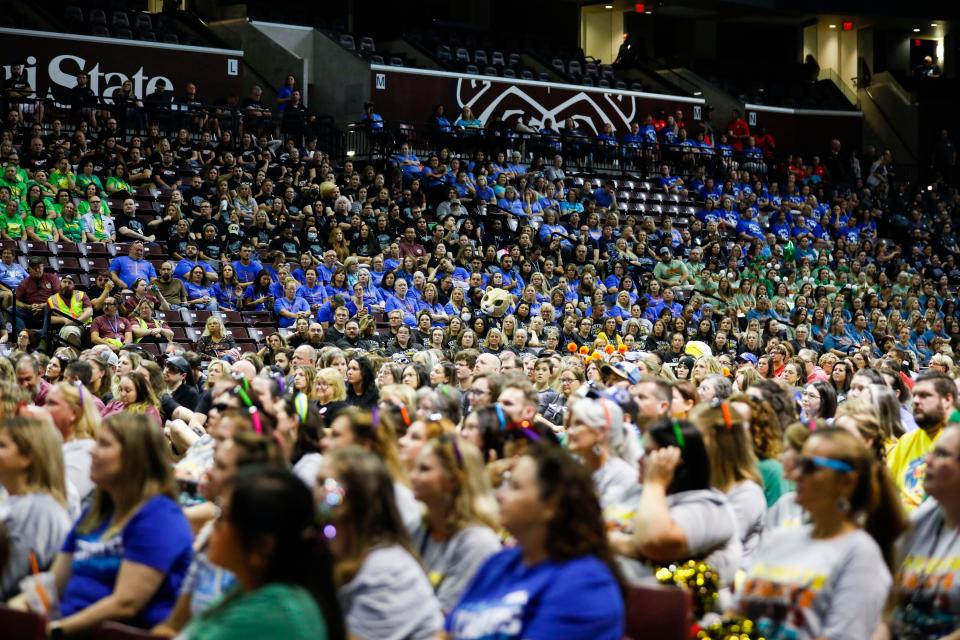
[
  {"x": 614, "y": 480},
  {"x": 390, "y": 598},
  {"x": 451, "y": 563},
  {"x": 76, "y": 461},
  {"x": 411, "y": 512},
  {"x": 804, "y": 588},
  {"x": 785, "y": 513},
  {"x": 36, "y": 523},
  {"x": 750, "y": 505},
  {"x": 307, "y": 468},
  {"x": 928, "y": 585},
  {"x": 710, "y": 526}
]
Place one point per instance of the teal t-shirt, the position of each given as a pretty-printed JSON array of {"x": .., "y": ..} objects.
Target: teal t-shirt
[
  {"x": 274, "y": 611},
  {"x": 774, "y": 484}
]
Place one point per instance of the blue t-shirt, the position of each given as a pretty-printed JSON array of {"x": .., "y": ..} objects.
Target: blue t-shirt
[
  {"x": 295, "y": 306},
  {"x": 157, "y": 536},
  {"x": 128, "y": 269},
  {"x": 246, "y": 273},
  {"x": 197, "y": 291},
  {"x": 506, "y": 599},
  {"x": 185, "y": 266}
]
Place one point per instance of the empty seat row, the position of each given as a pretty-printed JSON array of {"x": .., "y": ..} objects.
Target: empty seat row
[
  {"x": 141, "y": 21},
  {"x": 365, "y": 45}
]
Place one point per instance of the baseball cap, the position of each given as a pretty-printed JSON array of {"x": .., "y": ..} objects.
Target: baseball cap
[
  {"x": 626, "y": 370},
  {"x": 178, "y": 363},
  {"x": 748, "y": 357},
  {"x": 35, "y": 260},
  {"x": 67, "y": 276},
  {"x": 108, "y": 357},
  {"x": 664, "y": 251}
]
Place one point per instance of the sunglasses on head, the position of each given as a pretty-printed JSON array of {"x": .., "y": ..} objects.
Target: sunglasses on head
[{"x": 810, "y": 464}]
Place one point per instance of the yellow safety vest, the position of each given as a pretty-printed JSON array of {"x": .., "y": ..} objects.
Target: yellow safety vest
[{"x": 74, "y": 309}]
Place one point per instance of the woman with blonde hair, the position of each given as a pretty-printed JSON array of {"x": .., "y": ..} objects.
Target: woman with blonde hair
[
  {"x": 418, "y": 434},
  {"x": 745, "y": 378},
  {"x": 733, "y": 467},
  {"x": 338, "y": 243},
  {"x": 217, "y": 370},
  {"x": 494, "y": 342},
  {"x": 216, "y": 342},
  {"x": 457, "y": 532},
  {"x": 304, "y": 377},
  {"x": 128, "y": 555},
  {"x": 355, "y": 427},
  {"x": 75, "y": 415},
  {"x": 35, "y": 518},
  {"x": 329, "y": 390},
  {"x": 863, "y": 416},
  {"x": 650, "y": 364},
  {"x": 137, "y": 396},
  {"x": 703, "y": 367}
]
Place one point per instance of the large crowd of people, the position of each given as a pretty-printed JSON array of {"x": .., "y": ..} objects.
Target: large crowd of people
[{"x": 492, "y": 399}]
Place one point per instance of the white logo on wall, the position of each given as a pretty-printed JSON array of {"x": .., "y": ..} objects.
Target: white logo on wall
[
  {"x": 752, "y": 118},
  {"x": 63, "y": 69},
  {"x": 471, "y": 93},
  {"x": 233, "y": 66},
  {"x": 697, "y": 113},
  {"x": 381, "y": 81}
]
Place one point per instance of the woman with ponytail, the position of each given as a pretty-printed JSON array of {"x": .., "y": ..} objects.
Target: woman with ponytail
[{"x": 828, "y": 578}]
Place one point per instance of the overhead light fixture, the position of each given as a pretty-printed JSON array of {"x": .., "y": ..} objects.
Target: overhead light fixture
[
  {"x": 831, "y": 26},
  {"x": 351, "y": 153},
  {"x": 917, "y": 30},
  {"x": 608, "y": 6},
  {"x": 649, "y": 13},
  {"x": 698, "y": 93},
  {"x": 934, "y": 24}
]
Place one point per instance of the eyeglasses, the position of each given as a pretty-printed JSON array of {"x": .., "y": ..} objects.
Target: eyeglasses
[
  {"x": 567, "y": 380},
  {"x": 810, "y": 464}
]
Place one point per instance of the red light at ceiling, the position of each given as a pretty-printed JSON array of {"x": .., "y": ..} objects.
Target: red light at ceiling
[
  {"x": 917, "y": 42},
  {"x": 847, "y": 25},
  {"x": 640, "y": 7}
]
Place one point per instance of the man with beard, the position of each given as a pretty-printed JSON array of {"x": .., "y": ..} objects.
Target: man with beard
[
  {"x": 171, "y": 288},
  {"x": 653, "y": 397},
  {"x": 934, "y": 398}
]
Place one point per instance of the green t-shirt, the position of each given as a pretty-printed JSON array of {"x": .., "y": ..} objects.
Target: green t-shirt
[
  {"x": 60, "y": 180},
  {"x": 84, "y": 208},
  {"x": 115, "y": 184},
  {"x": 72, "y": 230},
  {"x": 774, "y": 484},
  {"x": 83, "y": 180},
  {"x": 45, "y": 228},
  {"x": 17, "y": 189},
  {"x": 13, "y": 226},
  {"x": 274, "y": 611}
]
